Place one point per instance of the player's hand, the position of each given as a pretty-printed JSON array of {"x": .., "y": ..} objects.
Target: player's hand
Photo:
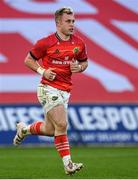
[
  {"x": 50, "y": 74},
  {"x": 75, "y": 67}
]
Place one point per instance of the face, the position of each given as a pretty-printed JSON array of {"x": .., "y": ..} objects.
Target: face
[{"x": 66, "y": 24}]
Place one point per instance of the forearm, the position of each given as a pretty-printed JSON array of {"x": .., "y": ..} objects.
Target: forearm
[
  {"x": 83, "y": 65},
  {"x": 33, "y": 64},
  {"x": 77, "y": 67}
]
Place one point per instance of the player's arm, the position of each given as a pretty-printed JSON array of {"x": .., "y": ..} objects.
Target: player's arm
[
  {"x": 35, "y": 66},
  {"x": 31, "y": 63},
  {"x": 81, "y": 63},
  {"x": 78, "y": 66}
]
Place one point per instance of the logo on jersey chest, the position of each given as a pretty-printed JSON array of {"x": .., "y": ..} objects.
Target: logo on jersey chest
[
  {"x": 54, "y": 61},
  {"x": 76, "y": 50},
  {"x": 57, "y": 51}
]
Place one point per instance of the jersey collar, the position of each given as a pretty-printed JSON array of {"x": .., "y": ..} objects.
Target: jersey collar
[{"x": 59, "y": 38}]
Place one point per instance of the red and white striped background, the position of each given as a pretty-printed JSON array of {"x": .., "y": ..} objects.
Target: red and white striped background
[{"x": 110, "y": 30}]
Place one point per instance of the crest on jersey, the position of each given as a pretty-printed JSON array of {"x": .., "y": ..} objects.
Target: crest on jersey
[{"x": 76, "y": 50}]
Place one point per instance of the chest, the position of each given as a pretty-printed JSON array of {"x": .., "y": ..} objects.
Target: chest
[{"x": 64, "y": 51}]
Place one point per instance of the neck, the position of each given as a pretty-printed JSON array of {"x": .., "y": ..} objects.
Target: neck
[{"x": 63, "y": 36}]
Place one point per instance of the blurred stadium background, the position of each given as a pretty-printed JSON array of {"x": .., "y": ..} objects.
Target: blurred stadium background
[{"x": 104, "y": 104}]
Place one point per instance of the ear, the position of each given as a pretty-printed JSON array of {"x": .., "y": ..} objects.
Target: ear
[{"x": 58, "y": 23}]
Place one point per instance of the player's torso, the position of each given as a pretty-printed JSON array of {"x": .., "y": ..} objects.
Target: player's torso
[{"x": 61, "y": 54}]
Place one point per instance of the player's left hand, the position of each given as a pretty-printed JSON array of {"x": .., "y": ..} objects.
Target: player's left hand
[{"x": 75, "y": 67}]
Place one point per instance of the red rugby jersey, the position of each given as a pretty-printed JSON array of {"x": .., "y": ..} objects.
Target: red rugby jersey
[{"x": 58, "y": 54}]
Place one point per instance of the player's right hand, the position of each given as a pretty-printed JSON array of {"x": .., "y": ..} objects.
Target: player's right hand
[{"x": 50, "y": 74}]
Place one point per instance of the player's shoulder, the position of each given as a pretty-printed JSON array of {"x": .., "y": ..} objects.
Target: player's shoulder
[
  {"x": 48, "y": 40},
  {"x": 50, "y": 37},
  {"x": 77, "y": 39}
]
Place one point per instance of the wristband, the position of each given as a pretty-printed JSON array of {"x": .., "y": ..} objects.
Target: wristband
[{"x": 41, "y": 70}]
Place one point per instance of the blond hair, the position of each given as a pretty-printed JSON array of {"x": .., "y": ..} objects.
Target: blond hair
[{"x": 59, "y": 13}]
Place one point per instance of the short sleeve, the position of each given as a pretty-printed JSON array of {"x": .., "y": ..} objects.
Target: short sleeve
[
  {"x": 82, "y": 56},
  {"x": 38, "y": 51}
]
